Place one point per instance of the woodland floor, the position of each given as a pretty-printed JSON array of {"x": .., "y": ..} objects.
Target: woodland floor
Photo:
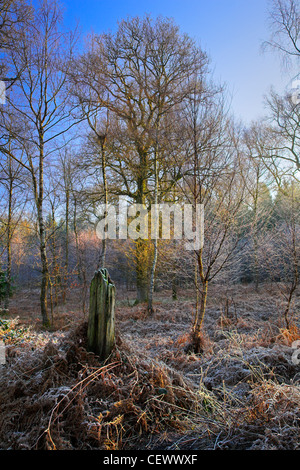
[{"x": 242, "y": 392}]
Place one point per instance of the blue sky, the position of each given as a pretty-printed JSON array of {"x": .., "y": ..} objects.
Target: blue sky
[{"x": 230, "y": 31}]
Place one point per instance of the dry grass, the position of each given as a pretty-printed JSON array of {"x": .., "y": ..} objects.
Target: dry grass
[{"x": 241, "y": 393}]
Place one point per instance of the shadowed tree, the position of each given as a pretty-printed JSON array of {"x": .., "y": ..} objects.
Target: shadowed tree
[{"x": 284, "y": 18}]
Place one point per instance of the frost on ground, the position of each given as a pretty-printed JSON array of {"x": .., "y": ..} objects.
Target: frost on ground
[{"x": 241, "y": 393}]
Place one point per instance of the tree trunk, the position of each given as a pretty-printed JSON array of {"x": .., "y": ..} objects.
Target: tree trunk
[
  {"x": 142, "y": 246},
  {"x": 174, "y": 288},
  {"x": 44, "y": 282},
  {"x": 101, "y": 324},
  {"x": 82, "y": 277}
]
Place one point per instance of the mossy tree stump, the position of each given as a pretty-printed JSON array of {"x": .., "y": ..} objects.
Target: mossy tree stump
[{"x": 101, "y": 323}]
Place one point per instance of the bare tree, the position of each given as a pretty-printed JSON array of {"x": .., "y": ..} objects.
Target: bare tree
[
  {"x": 15, "y": 192},
  {"x": 258, "y": 181},
  {"x": 283, "y": 120},
  {"x": 14, "y": 14},
  {"x": 281, "y": 255},
  {"x": 214, "y": 182}
]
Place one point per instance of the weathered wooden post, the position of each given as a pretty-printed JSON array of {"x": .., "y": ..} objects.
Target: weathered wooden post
[{"x": 101, "y": 323}]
